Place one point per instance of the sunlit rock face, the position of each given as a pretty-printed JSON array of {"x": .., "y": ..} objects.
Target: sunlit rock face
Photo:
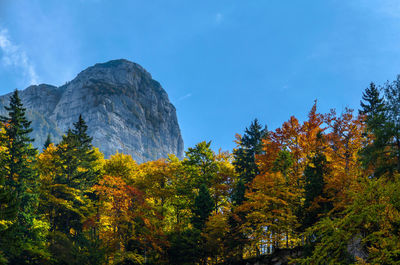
[{"x": 125, "y": 109}]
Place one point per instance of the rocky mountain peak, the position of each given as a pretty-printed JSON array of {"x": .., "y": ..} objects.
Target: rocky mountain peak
[
  {"x": 126, "y": 110},
  {"x": 116, "y": 72}
]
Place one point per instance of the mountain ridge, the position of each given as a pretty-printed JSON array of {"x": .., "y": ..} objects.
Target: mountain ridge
[{"x": 125, "y": 108}]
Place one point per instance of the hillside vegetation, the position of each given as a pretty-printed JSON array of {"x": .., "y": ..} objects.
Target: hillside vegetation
[{"x": 328, "y": 187}]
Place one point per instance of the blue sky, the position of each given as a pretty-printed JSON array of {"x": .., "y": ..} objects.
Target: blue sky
[{"x": 222, "y": 62}]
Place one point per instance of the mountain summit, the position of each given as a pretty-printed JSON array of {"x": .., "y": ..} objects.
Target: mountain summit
[{"x": 126, "y": 110}]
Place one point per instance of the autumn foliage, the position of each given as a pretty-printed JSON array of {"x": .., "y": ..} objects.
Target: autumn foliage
[{"x": 327, "y": 185}]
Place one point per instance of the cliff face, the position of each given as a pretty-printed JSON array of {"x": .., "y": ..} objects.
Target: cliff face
[{"x": 125, "y": 109}]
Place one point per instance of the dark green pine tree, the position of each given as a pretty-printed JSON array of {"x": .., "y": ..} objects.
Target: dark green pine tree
[
  {"x": 77, "y": 161},
  {"x": 249, "y": 146},
  {"x": 375, "y": 112},
  {"x": 236, "y": 240},
  {"x": 21, "y": 178},
  {"x": 245, "y": 165},
  {"x": 9, "y": 206},
  {"x": 183, "y": 248},
  {"x": 372, "y": 104},
  {"x": 48, "y": 142},
  {"x": 76, "y": 151},
  {"x": 17, "y": 141},
  {"x": 86, "y": 153},
  {"x": 202, "y": 208},
  {"x": 314, "y": 174},
  {"x": 238, "y": 196},
  {"x": 392, "y": 128},
  {"x": 83, "y": 139}
]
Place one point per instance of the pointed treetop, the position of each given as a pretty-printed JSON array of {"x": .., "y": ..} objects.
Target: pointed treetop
[
  {"x": 249, "y": 145},
  {"x": 80, "y": 131},
  {"x": 19, "y": 126},
  {"x": 48, "y": 141},
  {"x": 202, "y": 208},
  {"x": 371, "y": 103},
  {"x": 253, "y": 135}
]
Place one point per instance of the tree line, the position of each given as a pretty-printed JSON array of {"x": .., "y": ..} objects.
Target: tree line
[{"x": 328, "y": 186}]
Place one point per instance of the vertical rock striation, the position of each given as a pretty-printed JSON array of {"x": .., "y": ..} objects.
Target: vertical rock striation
[{"x": 125, "y": 109}]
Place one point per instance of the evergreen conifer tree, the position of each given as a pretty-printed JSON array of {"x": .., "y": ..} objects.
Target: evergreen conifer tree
[
  {"x": 76, "y": 151},
  {"x": 76, "y": 161},
  {"x": 383, "y": 126},
  {"x": 250, "y": 145},
  {"x": 314, "y": 174},
  {"x": 48, "y": 141},
  {"x": 392, "y": 129},
  {"x": 20, "y": 179},
  {"x": 203, "y": 206}
]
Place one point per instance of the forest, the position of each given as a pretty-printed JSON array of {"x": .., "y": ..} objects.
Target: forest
[{"x": 328, "y": 186}]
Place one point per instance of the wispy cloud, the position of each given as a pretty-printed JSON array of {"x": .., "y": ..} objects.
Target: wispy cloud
[
  {"x": 184, "y": 97},
  {"x": 13, "y": 55}
]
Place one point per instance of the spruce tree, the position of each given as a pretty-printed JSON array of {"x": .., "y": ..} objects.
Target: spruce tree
[
  {"x": 9, "y": 206},
  {"x": 372, "y": 103},
  {"x": 18, "y": 143},
  {"x": 373, "y": 110},
  {"x": 392, "y": 100},
  {"x": 314, "y": 174},
  {"x": 250, "y": 145},
  {"x": 203, "y": 206},
  {"x": 382, "y": 114},
  {"x": 238, "y": 196},
  {"x": 21, "y": 178},
  {"x": 48, "y": 142},
  {"x": 76, "y": 151},
  {"x": 77, "y": 163},
  {"x": 84, "y": 141}
]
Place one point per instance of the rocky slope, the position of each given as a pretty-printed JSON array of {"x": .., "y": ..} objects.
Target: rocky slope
[{"x": 125, "y": 109}]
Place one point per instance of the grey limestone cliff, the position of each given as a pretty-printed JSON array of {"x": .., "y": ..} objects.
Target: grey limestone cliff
[{"x": 125, "y": 109}]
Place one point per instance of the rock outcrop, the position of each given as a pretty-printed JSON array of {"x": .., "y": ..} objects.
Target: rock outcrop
[{"x": 125, "y": 109}]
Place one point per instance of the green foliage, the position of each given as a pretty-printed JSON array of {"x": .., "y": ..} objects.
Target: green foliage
[
  {"x": 367, "y": 234},
  {"x": 314, "y": 204},
  {"x": 78, "y": 157},
  {"x": 200, "y": 164},
  {"x": 184, "y": 247},
  {"x": 23, "y": 240},
  {"x": 238, "y": 193},
  {"x": 68, "y": 173},
  {"x": 48, "y": 141},
  {"x": 283, "y": 162},
  {"x": 383, "y": 125},
  {"x": 300, "y": 186},
  {"x": 392, "y": 102},
  {"x": 249, "y": 145},
  {"x": 203, "y": 206}
]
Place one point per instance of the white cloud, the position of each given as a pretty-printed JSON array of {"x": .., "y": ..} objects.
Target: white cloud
[
  {"x": 184, "y": 97},
  {"x": 13, "y": 55}
]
